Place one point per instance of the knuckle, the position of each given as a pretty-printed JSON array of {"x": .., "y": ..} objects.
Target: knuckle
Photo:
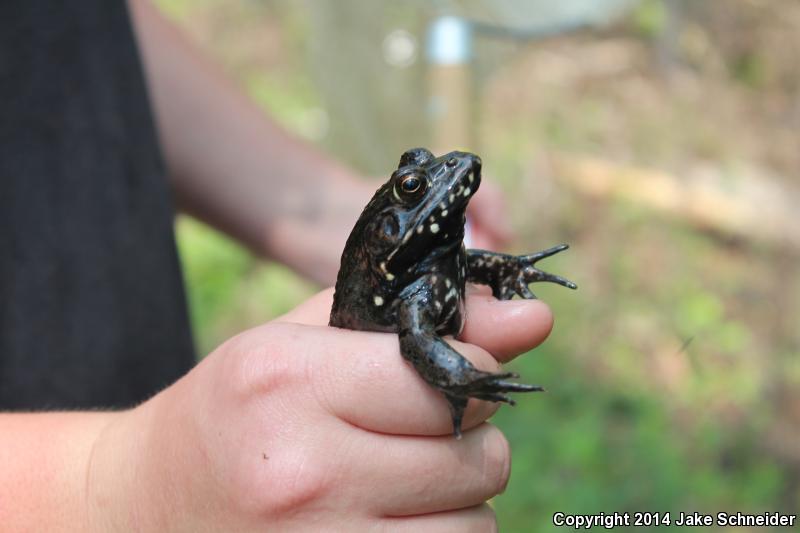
[
  {"x": 497, "y": 460},
  {"x": 258, "y": 362},
  {"x": 306, "y": 483},
  {"x": 292, "y": 482}
]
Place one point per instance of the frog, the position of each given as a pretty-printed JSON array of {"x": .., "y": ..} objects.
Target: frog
[{"x": 404, "y": 270}]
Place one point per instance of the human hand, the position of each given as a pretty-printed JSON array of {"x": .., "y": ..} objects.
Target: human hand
[
  {"x": 310, "y": 240},
  {"x": 295, "y": 425},
  {"x": 490, "y": 224}
]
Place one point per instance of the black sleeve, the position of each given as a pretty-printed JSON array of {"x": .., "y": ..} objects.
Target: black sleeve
[{"x": 92, "y": 306}]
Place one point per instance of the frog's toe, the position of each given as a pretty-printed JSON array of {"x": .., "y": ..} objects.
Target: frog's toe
[
  {"x": 532, "y": 274},
  {"x": 488, "y": 376},
  {"x": 503, "y": 291},
  {"x": 510, "y": 386},
  {"x": 488, "y": 383},
  {"x": 552, "y": 278},
  {"x": 496, "y": 397},
  {"x": 457, "y": 405},
  {"x": 524, "y": 291},
  {"x": 533, "y": 258}
]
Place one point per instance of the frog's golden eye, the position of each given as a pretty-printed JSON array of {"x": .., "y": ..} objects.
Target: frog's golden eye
[{"x": 412, "y": 184}]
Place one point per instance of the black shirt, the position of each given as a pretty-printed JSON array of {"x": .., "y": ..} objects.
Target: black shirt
[{"x": 92, "y": 309}]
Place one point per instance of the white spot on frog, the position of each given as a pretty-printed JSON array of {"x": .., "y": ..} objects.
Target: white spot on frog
[
  {"x": 378, "y": 300},
  {"x": 386, "y": 272},
  {"x": 434, "y": 228}
]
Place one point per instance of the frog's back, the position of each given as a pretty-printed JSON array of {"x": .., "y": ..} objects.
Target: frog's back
[{"x": 357, "y": 302}]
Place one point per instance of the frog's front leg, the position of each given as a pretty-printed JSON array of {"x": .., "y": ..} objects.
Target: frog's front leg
[
  {"x": 510, "y": 274},
  {"x": 443, "y": 368}
]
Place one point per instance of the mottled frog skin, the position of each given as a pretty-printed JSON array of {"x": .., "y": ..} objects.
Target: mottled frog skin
[{"x": 405, "y": 267}]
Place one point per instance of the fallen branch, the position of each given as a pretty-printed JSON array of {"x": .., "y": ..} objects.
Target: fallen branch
[{"x": 751, "y": 205}]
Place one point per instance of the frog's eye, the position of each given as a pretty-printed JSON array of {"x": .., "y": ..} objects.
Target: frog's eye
[{"x": 412, "y": 185}]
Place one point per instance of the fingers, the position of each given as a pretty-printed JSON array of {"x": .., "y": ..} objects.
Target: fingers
[
  {"x": 371, "y": 386},
  {"x": 478, "y": 519},
  {"x": 489, "y": 215},
  {"x": 506, "y": 328},
  {"x": 362, "y": 379},
  {"x": 451, "y": 474}
]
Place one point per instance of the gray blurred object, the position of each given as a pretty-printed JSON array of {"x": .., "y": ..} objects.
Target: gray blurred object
[{"x": 367, "y": 58}]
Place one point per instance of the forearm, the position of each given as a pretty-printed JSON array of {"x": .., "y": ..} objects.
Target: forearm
[
  {"x": 44, "y": 460},
  {"x": 230, "y": 165},
  {"x": 105, "y": 472}
]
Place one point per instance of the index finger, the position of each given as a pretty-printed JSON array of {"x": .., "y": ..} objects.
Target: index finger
[{"x": 361, "y": 378}]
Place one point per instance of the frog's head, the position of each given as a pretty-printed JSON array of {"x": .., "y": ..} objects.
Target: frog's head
[{"x": 419, "y": 213}]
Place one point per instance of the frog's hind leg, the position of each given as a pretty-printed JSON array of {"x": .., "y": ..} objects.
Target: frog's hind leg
[{"x": 444, "y": 368}]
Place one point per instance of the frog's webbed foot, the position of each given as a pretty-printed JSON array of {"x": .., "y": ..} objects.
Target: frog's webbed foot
[
  {"x": 508, "y": 275},
  {"x": 529, "y": 273},
  {"x": 483, "y": 386}
]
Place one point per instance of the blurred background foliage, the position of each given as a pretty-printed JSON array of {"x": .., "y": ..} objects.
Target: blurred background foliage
[{"x": 673, "y": 372}]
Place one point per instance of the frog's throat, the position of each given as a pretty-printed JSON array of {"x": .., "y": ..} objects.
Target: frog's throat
[{"x": 447, "y": 205}]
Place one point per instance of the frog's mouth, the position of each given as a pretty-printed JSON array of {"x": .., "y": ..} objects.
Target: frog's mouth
[
  {"x": 443, "y": 214},
  {"x": 461, "y": 190}
]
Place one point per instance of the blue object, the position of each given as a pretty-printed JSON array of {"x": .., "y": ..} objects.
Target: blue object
[{"x": 449, "y": 41}]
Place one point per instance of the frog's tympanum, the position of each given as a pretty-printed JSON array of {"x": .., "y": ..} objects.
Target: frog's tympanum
[{"x": 404, "y": 269}]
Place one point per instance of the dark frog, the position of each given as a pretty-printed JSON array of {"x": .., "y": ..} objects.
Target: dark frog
[{"x": 404, "y": 269}]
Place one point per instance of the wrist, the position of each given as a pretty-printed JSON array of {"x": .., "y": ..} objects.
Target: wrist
[
  {"x": 145, "y": 468},
  {"x": 120, "y": 490}
]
